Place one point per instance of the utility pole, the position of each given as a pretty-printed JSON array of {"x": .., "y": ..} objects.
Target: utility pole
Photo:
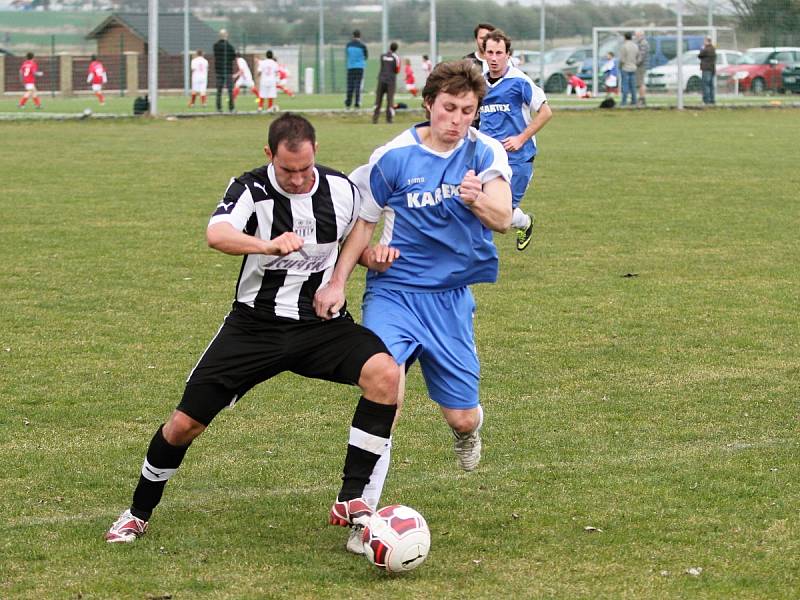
[
  {"x": 434, "y": 56},
  {"x": 185, "y": 47},
  {"x": 152, "y": 55}
]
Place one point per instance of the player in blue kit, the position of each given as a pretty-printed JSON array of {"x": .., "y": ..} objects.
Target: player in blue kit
[
  {"x": 506, "y": 115},
  {"x": 442, "y": 187}
]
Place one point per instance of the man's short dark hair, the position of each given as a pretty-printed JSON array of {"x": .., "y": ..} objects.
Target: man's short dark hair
[
  {"x": 497, "y": 36},
  {"x": 479, "y": 26},
  {"x": 628, "y": 35},
  {"x": 356, "y": 33},
  {"x": 393, "y": 47},
  {"x": 269, "y": 54},
  {"x": 93, "y": 57},
  {"x": 291, "y": 129},
  {"x": 29, "y": 55}
]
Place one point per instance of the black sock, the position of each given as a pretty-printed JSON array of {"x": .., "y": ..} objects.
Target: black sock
[
  {"x": 160, "y": 464},
  {"x": 375, "y": 420}
]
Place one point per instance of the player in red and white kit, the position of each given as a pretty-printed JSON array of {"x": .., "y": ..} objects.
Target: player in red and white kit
[
  {"x": 283, "y": 80},
  {"x": 427, "y": 65},
  {"x": 243, "y": 78},
  {"x": 411, "y": 84},
  {"x": 267, "y": 72},
  {"x": 199, "y": 69},
  {"x": 97, "y": 76},
  {"x": 577, "y": 85},
  {"x": 28, "y": 72}
]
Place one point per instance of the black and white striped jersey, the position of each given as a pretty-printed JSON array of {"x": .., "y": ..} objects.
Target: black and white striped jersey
[{"x": 283, "y": 287}]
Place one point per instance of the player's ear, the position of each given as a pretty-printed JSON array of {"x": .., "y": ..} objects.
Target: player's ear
[
  {"x": 316, "y": 147},
  {"x": 268, "y": 153}
]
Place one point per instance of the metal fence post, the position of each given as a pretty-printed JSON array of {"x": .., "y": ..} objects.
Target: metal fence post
[
  {"x": 152, "y": 56},
  {"x": 122, "y": 66},
  {"x": 52, "y": 66},
  {"x": 333, "y": 72}
]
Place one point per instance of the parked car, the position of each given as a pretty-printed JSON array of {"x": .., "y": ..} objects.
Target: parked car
[
  {"x": 663, "y": 48},
  {"x": 759, "y": 70},
  {"x": 791, "y": 78},
  {"x": 557, "y": 63},
  {"x": 526, "y": 57},
  {"x": 665, "y": 77}
]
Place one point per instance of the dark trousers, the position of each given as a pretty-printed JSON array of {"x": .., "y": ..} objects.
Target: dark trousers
[
  {"x": 354, "y": 77},
  {"x": 388, "y": 89},
  {"x": 224, "y": 80}
]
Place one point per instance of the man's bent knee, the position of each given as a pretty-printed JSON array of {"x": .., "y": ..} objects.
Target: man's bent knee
[
  {"x": 380, "y": 379},
  {"x": 463, "y": 421},
  {"x": 181, "y": 429}
]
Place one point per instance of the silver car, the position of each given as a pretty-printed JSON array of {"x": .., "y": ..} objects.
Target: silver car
[
  {"x": 665, "y": 77},
  {"x": 557, "y": 63}
]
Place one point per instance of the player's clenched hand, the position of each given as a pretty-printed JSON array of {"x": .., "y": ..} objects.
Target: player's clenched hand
[
  {"x": 284, "y": 244},
  {"x": 470, "y": 188},
  {"x": 512, "y": 144},
  {"x": 328, "y": 300},
  {"x": 379, "y": 257}
]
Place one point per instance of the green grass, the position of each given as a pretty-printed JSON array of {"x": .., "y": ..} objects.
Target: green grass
[
  {"x": 660, "y": 408},
  {"x": 172, "y": 104}
]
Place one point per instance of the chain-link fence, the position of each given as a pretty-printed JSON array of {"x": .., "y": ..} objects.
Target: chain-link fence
[{"x": 309, "y": 39}]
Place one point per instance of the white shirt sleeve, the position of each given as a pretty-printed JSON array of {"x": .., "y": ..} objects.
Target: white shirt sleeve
[
  {"x": 538, "y": 98},
  {"x": 370, "y": 209},
  {"x": 493, "y": 161}
]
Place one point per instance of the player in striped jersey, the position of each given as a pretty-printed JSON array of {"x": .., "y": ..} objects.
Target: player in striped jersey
[
  {"x": 441, "y": 188},
  {"x": 287, "y": 219}
]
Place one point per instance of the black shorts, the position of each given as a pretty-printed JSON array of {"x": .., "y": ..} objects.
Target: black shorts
[{"x": 248, "y": 350}]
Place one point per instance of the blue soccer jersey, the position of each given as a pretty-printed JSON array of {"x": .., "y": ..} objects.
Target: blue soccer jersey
[
  {"x": 506, "y": 110},
  {"x": 442, "y": 243}
]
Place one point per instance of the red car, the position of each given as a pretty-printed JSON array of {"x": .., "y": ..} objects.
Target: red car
[{"x": 760, "y": 70}]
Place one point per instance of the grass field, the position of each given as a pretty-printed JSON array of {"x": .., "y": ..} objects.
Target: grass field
[
  {"x": 640, "y": 374},
  {"x": 172, "y": 104}
]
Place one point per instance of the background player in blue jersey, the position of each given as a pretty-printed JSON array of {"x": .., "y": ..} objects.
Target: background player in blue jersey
[
  {"x": 513, "y": 111},
  {"x": 442, "y": 188}
]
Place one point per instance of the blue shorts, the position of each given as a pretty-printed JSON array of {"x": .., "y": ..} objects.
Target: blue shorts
[
  {"x": 521, "y": 175},
  {"x": 435, "y": 327}
]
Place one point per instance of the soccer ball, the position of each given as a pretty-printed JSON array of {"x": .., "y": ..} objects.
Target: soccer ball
[{"x": 397, "y": 539}]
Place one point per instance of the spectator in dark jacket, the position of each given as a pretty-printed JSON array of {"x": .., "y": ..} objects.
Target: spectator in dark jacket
[
  {"x": 356, "y": 55},
  {"x": 708, "y": 68},
  {"x": 387, "y": 80},
  {"x": 224, "y": 57}
]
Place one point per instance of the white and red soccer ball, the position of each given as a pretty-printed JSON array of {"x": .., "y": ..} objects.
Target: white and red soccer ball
[{"x": 397, "y": 539}]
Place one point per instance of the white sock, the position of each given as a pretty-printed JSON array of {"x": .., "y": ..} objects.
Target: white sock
[
  {"x": 519, "y": 219},
  {"x": 374, "y": 489}
]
